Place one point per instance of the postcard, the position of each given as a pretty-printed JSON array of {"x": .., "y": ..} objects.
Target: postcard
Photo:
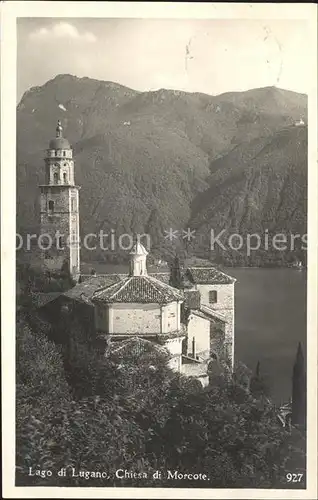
[{"x": 159, "y": 250}]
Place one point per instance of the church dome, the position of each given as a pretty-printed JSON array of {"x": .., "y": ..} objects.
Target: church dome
[{"x": 59, "y": 142}]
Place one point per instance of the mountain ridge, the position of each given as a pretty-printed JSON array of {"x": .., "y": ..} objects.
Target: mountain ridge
[
  {"x": 135, "y": 151},
  {"x": 63, "y": 76}
]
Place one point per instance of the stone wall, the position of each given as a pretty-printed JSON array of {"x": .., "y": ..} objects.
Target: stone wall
[
  {"x": 170, "y": 317},
  {"x": 134, "y": 318},
  {"x": 174, "y": 346},
  {"x": 65, "y": 219},
  {"x": 199, "y": 328},
  {"x": 217, "y": 339},
  {"x": 224, "y": 306}
]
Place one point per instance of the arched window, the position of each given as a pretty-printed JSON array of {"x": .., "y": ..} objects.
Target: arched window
[
  {"x": 51, "y": 206},
  {"x": 56, "y": 178},
  {"x": 65, "y": 178},
  {"x": 64, "y": 153}
]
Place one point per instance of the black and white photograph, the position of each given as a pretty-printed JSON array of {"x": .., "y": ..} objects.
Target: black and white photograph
[{"x": 163, "y": 327}]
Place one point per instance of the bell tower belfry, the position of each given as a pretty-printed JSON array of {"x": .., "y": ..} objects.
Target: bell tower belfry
[{"x": 59, "y": 208}]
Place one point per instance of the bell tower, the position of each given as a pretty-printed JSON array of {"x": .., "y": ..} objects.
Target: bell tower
[{"x": 59, "y": 208}]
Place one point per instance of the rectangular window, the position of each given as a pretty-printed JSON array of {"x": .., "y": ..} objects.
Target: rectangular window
[
  {"x": 212, "y": 296},
  {"x": 51, "y": 206}
]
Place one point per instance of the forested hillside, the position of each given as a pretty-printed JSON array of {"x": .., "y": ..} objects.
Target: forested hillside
[
  {"x": 145, "y": 156},
  {"x": 103, "y": 414},
  {"x": 259, "y": 187}
]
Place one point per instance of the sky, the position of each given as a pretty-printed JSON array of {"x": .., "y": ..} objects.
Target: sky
[{"x": 211, "y": 56}]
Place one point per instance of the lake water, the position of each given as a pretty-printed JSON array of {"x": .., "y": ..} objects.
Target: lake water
[{"x": 270, "y": 320}]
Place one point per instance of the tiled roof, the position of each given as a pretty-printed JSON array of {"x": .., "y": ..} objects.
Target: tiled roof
[
  {"x": 159, "y": 338},
  {"x": 193, "y": 369},
  {"x": 138, "y": 289},
  {"x": 213, "y": 313},
  {"x": 40, "y": 299},
  {"x": 198, "y": 275},
  {"x": 85, "y": 290},
  {"x": 152, "y": 288},
  {"x": 196, "y": 262},
  {"x": 208, "y": 275},
  {"x": 208, "y": 316},
  {"x": 165, "y": 278},
  {"x": 135, "y": 343}
]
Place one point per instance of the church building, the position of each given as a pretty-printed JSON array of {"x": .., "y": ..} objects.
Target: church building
[{"x": 193, "y": 323}]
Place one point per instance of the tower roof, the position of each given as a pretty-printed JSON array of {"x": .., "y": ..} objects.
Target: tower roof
[
  {"x": 59, "y": 142},
  {"x": 138, "y": 249}
]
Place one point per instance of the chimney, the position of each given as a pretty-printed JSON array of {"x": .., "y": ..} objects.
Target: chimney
[{"x": 193, "y": 348}]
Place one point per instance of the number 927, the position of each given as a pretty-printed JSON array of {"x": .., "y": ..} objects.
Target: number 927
[{"x": 294, "y": 478}]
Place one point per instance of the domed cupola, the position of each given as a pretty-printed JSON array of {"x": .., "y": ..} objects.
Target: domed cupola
[
  {"x": 59, "y": 160},
  {"x": 59, "y": 143}
]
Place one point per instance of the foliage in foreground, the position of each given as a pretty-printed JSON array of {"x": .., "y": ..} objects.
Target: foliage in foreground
[{"x": 141, "y": 416}]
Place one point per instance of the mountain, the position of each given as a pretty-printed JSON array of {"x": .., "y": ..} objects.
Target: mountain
[
  {"x": 139, "y": 152},
  {"x": 259, "y": 187}
]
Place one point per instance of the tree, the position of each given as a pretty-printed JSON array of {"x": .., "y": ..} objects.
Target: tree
[
  {"x": 175, "y": 274},
  {"x": 133, "y": 412},
  {"x": 155, "y": 229},
  {"x": 41, "y": 388},
  {"x": 258, "y": 385},
  {"x": 299, "y": 389},
  {"x": 231, "y": 437},
  {"x": 66, "y": 277},
  {"x": 54, "y": 431}
]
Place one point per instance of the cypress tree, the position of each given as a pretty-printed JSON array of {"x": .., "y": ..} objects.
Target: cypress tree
[
  {"x": 299, "y": 389},
  {"x": 258, "y": 385},
  {"x": 175, "y": 274},
  {"x": 155, "y": 229}
]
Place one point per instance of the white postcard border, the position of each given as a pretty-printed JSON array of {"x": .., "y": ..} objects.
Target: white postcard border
[{"x": 10, "y": 11}]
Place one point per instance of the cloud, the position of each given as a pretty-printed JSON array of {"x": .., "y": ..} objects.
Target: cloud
[{"x": 62, "y": 30}]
